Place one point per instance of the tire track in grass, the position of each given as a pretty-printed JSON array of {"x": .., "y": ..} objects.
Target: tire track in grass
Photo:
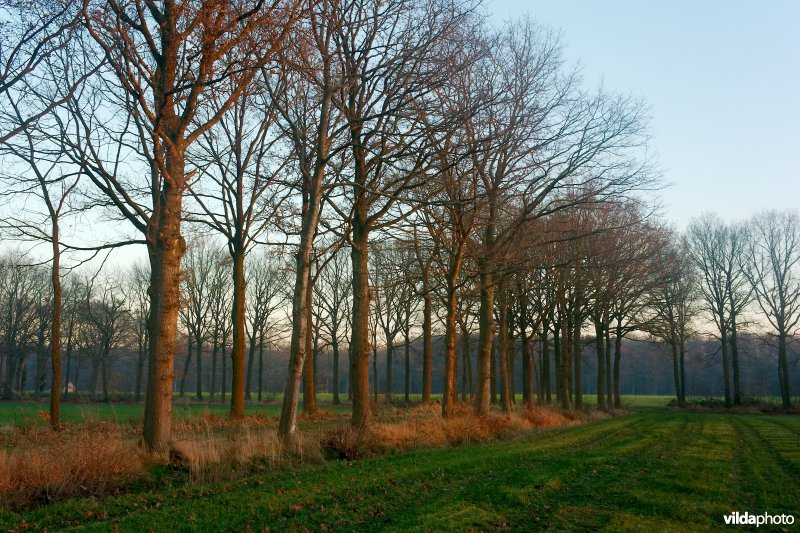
[{"x": 774, "y": 486}]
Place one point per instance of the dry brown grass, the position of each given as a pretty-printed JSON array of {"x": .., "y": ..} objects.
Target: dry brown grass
[
  {"x": 424, "y": 426},
  {"x": 46, "y": 466},
  {"x": 38, "y": 466}
]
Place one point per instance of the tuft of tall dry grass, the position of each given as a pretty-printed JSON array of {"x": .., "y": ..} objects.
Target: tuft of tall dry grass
[{"x": 53, "y": 466}]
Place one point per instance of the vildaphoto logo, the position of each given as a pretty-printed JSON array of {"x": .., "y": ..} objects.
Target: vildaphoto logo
[{"x": 763, "y": 519}]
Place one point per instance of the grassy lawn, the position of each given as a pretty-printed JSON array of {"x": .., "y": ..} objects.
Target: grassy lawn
[
  {"x": 25, "y": 413},
  {"x": 652, "y": 470}
]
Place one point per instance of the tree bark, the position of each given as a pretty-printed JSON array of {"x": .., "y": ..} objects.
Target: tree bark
[
  {"x": 309, "y": 394},
  {"x": 601, "y": 364},
  {"x": 449, "y": 395},
  {"x": 485, "y": 336},
  {"x": 427, "y": 336},
  {"x": 238, "y": 318},
  {"x": 55, "y": 331},
  {"x": 360, "y": 345},
  {"x": 166, "y": 247}
]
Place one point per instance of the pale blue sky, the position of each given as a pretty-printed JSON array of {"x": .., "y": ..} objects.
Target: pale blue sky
[{"x": 722, "y": 79}]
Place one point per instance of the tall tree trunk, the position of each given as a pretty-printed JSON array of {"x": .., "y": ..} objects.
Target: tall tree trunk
[
  {"x": 427, "y": 335},
  {"x": 485, "y": 337},
  {"x": 55, "y": 331},
  {"x": 223, "y": 386},
  {"x": 577, "y": 355},
  {"x": 407, "y": 373},
  {"x": 359, "y": 343},
  {"x": 557, "y": 361},
  {"x": 166, "y": 247},
  {"x": 449, "y": 395},
  {"x": 617, "y": 362},
  {"x": 737, "y": 395},
  {"x": 676, "y": 370},
  {"x": 309, "y": 394},
  {"x": 609, "y": 392},
  {"x": 214, "y": 353},
  {"x": 198, "y": 341},
  {"x": 186, "y": 363},
  {"x": 502, "y": 349},
  {"x": 726, "y": 366},
  {"x": 260, "y": 366},
  {"x": 389, "y": 364},
  {"x": 105, "y": 365},
  {"x": 335, "y": 347},
  {"x": 545, "y": 390},
  {"x": 682, "y": 399},
  {"x": 238, "y": 318},
  {"x": 251, "y": 356},
  {"x": 566, "y": 369},
  {"x": 601, "y": 364},
  {"x": 783, "y": 367}
]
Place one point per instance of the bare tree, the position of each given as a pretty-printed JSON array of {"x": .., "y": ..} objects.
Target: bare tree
[
  {"x": 30, "y": 35},
  {"x": 197, "y": 270},
  {"x": 717, "y": 249},
  {"x": 773, "y": 269},
  {"x": 674, "y": 302},
  {"x": 392, "y": 54},
  {"x": 166, "y": 60},
  {"x": 333, "y": 299}
]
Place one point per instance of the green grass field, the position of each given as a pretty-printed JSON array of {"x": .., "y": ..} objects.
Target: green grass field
[
  {"x": 26, "y": 413},
  {"x": 652, "y": 470}
]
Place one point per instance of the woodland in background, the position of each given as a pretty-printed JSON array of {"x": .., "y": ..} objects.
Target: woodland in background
[{"x": 367, "y": 197}]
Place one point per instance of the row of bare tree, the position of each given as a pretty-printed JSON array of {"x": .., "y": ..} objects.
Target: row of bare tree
[{"x": 325, "y": 125}]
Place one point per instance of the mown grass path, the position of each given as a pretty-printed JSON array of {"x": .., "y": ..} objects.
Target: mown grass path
[{"x": 652, "y": 470}]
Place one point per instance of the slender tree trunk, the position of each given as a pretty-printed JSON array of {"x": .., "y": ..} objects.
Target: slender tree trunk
[
  {"x": 198, "y": 341},
  {"x": 601, "y": 364},
  {"x": 389, "y": 364},
  {"x": 676, "y": 370},
  {"x": 360, "y": 345},
  {"x": 557, "y": 361},
  {"x": 335, "y": 341},
  {"x": 251, "y": 355},
  {"x": 309, "y": 394},
  {"x": 214, "y": 353},
  {"x": 297, "y": 352},
  {"x": 224, "y": 358},
  {"x": 682, "y": 399},
  {"x": 260, "y": 366},
  {"x": 493, "y": 374},
  {"x": 609, "y": 392},
  {"x": 545, "y": 391},
  {"x": 450, "y": 392},
  {"x": 485, "y": 337},
  {"x": 577, "y": 354},
  {"x": 407, "y": 374},
  {"x": 617, "y": 362},
  {"x": 427, "y": 335},
  {"x": 137, "y": 395},
  {"x": 726, "y": 366},
  {"x": 55, "y": 331},
  {"x": 502, "y": 349},
  {"x": 106, "y": 371},
  {"x": 783, "y": 368},
  {"x": 566, "y": 369},
  {"x": 737, "y": 395},
  {"x": 238, "y": 318},
  {"x": 186, "y": 363}
]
